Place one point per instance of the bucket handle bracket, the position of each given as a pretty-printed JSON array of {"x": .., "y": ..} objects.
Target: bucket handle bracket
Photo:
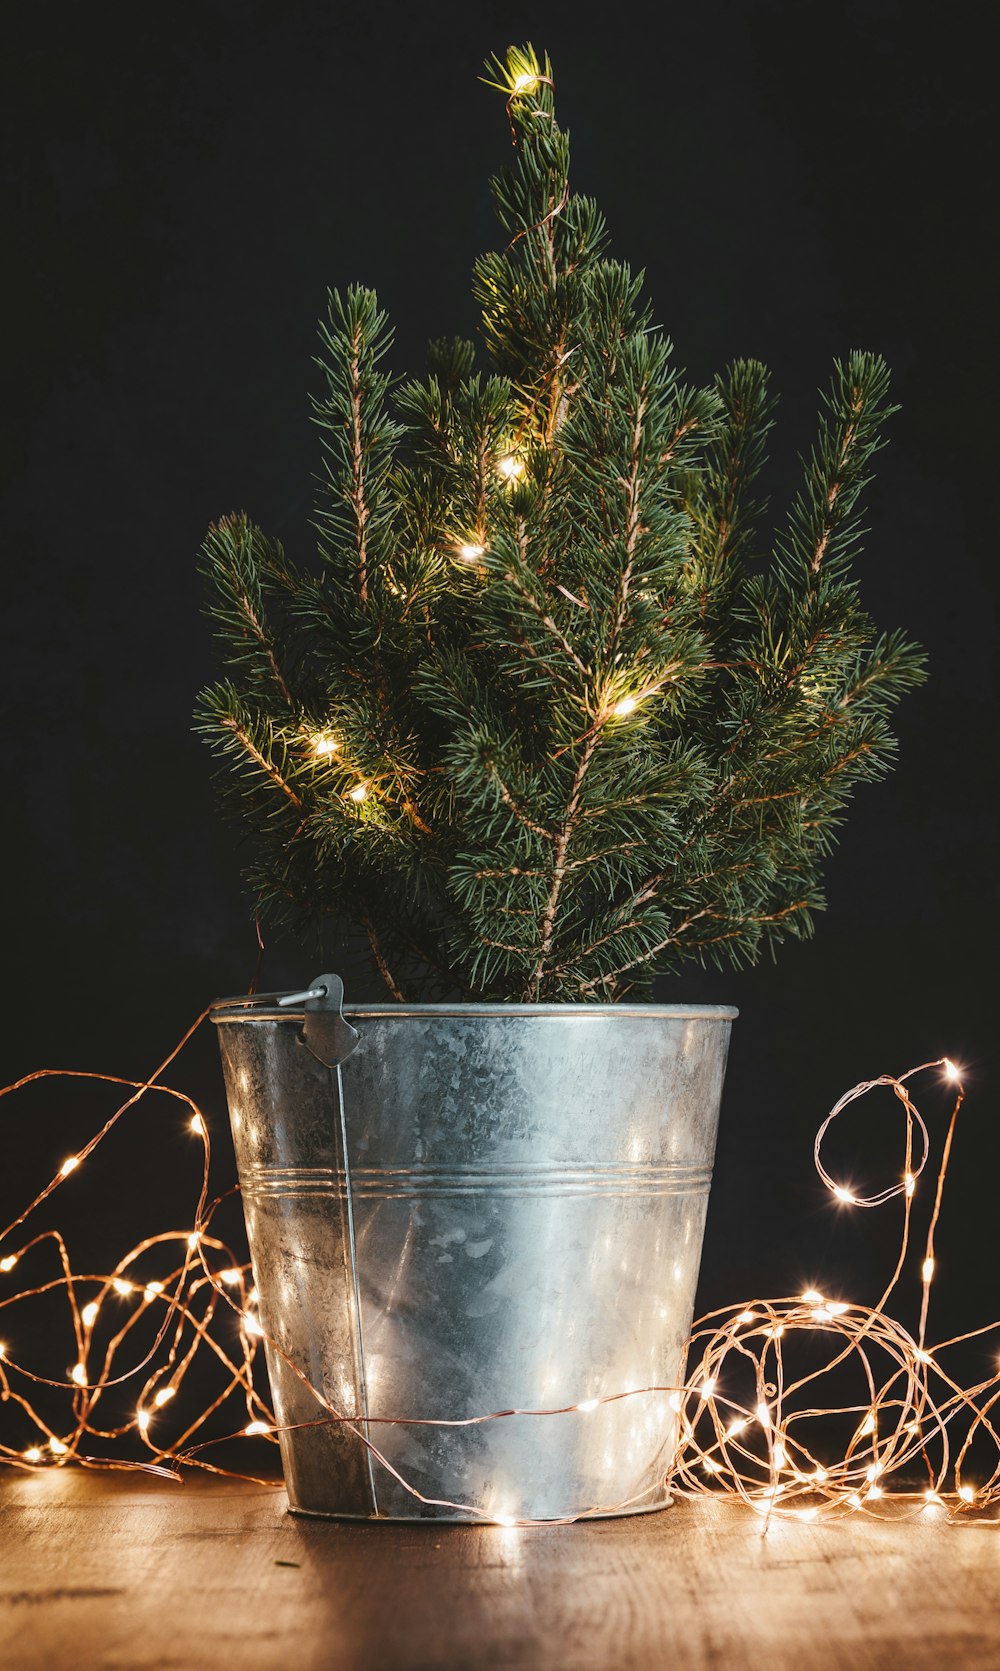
[{"x": 325, "y": 1033}]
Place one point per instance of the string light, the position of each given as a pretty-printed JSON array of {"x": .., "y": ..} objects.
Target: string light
[
  {"x": 749, "y": 1453},
  {"x": 627, "y": 705},
  {"x": 951, "y": 1070},
  {"x": 323, "y": 746},
  {"x": 470, "y": 552},
  {"x": 510, "y": 467},
  {"x": 69, "y": 1165},
  {"x": 198, "y": 1125},
  {"x": 359, "y": 792},
  {"x": 523, "y": 83}
]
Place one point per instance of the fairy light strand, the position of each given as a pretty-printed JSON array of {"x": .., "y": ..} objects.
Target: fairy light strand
[{"x": 745, "y": 1418}]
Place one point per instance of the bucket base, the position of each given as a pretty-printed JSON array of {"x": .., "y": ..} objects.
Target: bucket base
[{"x": 473, "y": 1520}]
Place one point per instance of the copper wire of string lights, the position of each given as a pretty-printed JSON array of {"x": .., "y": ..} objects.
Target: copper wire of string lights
[{"x": 751, "y": 1426}]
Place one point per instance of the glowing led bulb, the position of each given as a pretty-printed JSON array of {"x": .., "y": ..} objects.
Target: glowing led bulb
[
  {"x": 746, "y": 1317},
  {"x": 873, "y": 1472},
  {"x": 253, "y": 1296},
  {"x": 844, "y": 1195},
  {"x": 151, "y": 1290},
  {"x": 735, "y": 1427},
  {"x": 163, "y": 1395},
  {"x": 868, "y": 1425},
  {"x": 256, "y": 1427},
  {"x": 819, "y": 1475},
  {"x": 854, "y": 1501},
  {"x": 232, "y": 1276},
  {"x": 811, "y": 1297},
  {"x": 470, "y": 552},
  {"x": 69, "y": 1165},
  {"x": 909, "y": 1183},
  {"x": 780, "y": 1456},
  {"x": 88, "y": 1316},
  {"x": 3, "y": 1350},
  {"x": 120, "y": 1285},
  {"x": 32, "y": 1455},
  {"x": 359, "y": 792},
  {"x": 966, "y": 1493},
  {"x": 707, "y": 1387},
  {"x": 922, "y": 1356},
  {"x": 836, "y": 1308},
  {"x": 510, "y": 467},
  {"x": 806, "y": 1514},
  {"x": 675, "y": 1401},
  {"x": 194, "y": 1239},
  {"x": 142, "y": 1420},
  {"x": 252, "y": 1324},
  {"x": 524, "y": 83},
  {"x": 197, "y": 1125},
  {"x": 763, "y": 1415},
  {"x": 950, "y": 1068},
  {"x": 79, "y": 1374},
  {"x": 627, "y": 705},
  {"x": 874, "y": 1491},
  {"x": 57, "y": 1447},
  {"x": 324, "y": 746},
  {"x": 927, "y": 1269},
  {"x": 710, "y": 1466},
  {"x": 589, "y": 1404},
  {"x": 8, "y": 1262}
]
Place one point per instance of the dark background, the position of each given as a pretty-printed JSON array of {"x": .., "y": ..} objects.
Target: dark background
[{"x": 183, "y": 183}]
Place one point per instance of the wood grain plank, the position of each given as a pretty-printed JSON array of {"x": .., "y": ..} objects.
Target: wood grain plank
[{"x": 119, "y": 1573}]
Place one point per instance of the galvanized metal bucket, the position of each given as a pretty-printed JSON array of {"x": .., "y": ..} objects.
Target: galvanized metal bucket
[{"x": 482, "y": 1208}]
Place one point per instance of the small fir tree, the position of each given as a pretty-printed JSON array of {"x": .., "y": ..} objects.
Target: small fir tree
[{"x": 540, "y": 720}]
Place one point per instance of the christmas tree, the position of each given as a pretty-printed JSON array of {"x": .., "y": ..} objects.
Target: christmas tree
[{"x": 542, "y": 719}]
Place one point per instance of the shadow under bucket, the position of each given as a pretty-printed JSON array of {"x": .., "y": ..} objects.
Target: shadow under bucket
[{"x": 482, "y": 1208}]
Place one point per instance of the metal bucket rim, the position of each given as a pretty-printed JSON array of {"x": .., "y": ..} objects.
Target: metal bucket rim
[{"x": 250, "y": 1008}]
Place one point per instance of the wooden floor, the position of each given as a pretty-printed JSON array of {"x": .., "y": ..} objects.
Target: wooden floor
[{"x": 100, "y": 1572}]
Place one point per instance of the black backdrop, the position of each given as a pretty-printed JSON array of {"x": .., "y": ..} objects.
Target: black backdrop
[{"x": 183, "y": 183}]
